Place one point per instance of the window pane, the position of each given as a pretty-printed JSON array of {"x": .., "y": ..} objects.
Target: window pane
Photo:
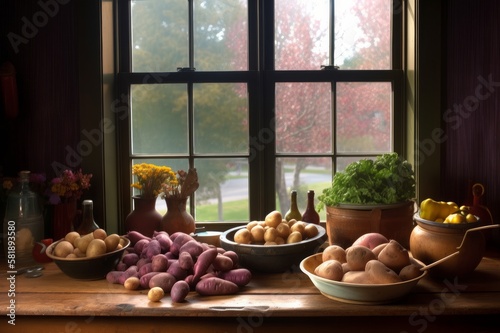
[
  {"x": 301, "y": 34},
  {"x": 363, "y": 34},
  {"x": 303, "y": 117},
  {"x": 301, "y": 174},
  {"x": 364, "y": 117},
  {"x": 159, "y": 35},
  {"x": 221, "y": 35},
  {"x": 220, "y": 118},
  {"x": 159, "y": 119},
  {"x": 223, "y": 191}
]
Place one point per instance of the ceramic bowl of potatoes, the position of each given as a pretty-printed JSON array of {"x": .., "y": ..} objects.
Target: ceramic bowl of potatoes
[
  {"x": 373, "y": 270},
  {"x": 273, "y": 245},
  {"x": 88, "y": 257}
]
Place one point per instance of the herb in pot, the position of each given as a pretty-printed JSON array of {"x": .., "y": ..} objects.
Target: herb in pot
[{"x": 386, "y": 180}]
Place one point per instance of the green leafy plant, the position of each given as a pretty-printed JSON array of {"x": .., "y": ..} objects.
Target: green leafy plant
[{"x": 386, "y": 180}]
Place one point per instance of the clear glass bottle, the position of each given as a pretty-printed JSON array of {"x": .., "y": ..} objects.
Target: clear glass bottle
[
  {"x": 23, "y": 224},
  {"x": 88, "y": 223},
  {"x": 310, "y": 214},
  {"x": 293, "y": 212}
]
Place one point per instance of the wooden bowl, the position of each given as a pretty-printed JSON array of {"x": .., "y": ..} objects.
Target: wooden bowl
[{"x": 94, "y": 268}]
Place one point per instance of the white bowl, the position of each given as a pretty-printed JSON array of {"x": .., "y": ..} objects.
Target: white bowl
[{"x": 355, "y": 293}]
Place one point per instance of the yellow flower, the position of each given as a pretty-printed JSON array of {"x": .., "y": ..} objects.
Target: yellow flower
[{"x": 150, "y": 178}]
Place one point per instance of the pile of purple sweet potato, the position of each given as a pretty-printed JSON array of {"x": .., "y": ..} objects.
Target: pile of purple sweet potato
[{"x": 178, "y": 264}]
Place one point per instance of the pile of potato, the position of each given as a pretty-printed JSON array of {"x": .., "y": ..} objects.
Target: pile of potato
[
  {"x": 371, "y": 259},
  {"x": 275, "y": 230},
  {"x": 90, "y": 245}
]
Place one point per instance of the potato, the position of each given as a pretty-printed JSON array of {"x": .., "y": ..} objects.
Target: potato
[
  {"x": 71, "y": 256},
  {"x": 252, "y": 224},
  {"x": 95, "y": 248},
  {"x": 63, "y": 249},
  {"x": 270, "y": 234},
  {"x": 299, "y": 226},
  {"x": 283, "y": 230},
  {"x": 330, "y": 269},
  {"x": 270, "y": 243},
  {"x": 334, "y": 252},
  {"x": 371, "y": 240},
  {"x": 394, "y": 256},
  {"x": 111, "y": 241},
  {"x": 100, "y": 234},
  {"x": 257, "y": 234},
  {"x": 71, "y": 236},
  {"x": 294, "y": 237},
  {"x": 155, "y": 294},
  {"x": 377, "y": 249},
  {"x": 273, "y": 219},
  {"x": 243, "y": 236},
  {"x": 132, "y": 283},
  {"x": 83, "y": 242},
  {"x": 357, "y": 256},
  {"x": 380, "y": 273},
  {"x": 279, "y": 240},
  {"x": 310, "y": 231},
  {"x": 361, "y": 277},
  {"x": 410, "y": 271}
]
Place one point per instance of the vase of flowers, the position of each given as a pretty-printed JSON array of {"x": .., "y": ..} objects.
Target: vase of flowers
[
  {"x": 176, "y": 193},
  {"x": 144, "y": 218},
  {"x": 64, "y": 192}
]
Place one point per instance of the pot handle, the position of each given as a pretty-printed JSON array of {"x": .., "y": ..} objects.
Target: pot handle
[{"x": 492, "y": 226}]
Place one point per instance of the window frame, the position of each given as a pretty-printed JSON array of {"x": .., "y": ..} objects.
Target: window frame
[{"x": 260, "y": 73}]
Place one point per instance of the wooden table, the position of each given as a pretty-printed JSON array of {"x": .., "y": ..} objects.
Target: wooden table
[{"x": 285, "y": 302}]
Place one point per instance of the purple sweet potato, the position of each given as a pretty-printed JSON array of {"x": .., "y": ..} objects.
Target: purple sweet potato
[
  {"x": 234, "y": 257},
  {"x": 145, "y": 279},
  {"x": 164, "y": 240},
  {"x": 239, "y": 276},
  {"x": 222, "y": 263},
  {"x": 136, "y": 236},
  {"x": 113, "y": 276},
  {"x": 177, "y": 271},
  {"x": 130, "y": 259},
  {"x": 140, "y": 245},
  {"x": 159, "y": 263},
  {"x": 146, "y": 268},
  {"x": 185, "y": 261},
  {"x": 131, "y": 271},
  {"x": 180, "y": 239},
  {"x": 179, "y": 291},
  {"x": 216, "y": 286},
  {"x": 193, "y": 247},
  {"x": 163, "y": 280},
  {"x": 203, "y": 263},
  {"x": 121, "y": 266},
  {"x": 151, "y": 249}
]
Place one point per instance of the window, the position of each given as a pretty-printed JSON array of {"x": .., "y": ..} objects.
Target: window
[{"x": 261, "y": 96}]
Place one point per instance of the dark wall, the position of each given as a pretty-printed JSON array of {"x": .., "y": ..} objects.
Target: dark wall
[
  {"x": 471, "y": 116},
  {"x": 40, "y": 42}
]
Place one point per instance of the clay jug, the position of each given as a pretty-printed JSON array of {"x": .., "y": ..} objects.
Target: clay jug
[
  {"x": 177, "y": 218},
  {"x": 144, "y": 218}
]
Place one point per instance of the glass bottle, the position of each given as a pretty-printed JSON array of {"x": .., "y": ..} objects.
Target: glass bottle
[
  {"x": 310, "y": 214},
  {"x": 293, "y": 212},
  {"x": 88, "y": 223},
  {"x": 23, "y": 224}
]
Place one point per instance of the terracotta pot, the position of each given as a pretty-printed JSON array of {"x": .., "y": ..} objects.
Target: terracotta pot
[
  {"x": 345, "y": 224},
  {"x": 144, "y": 218},
  {"x": 177, "y": 218},
  {"x": 63, "y": 219},
  {"x": 431, "y": 241}
]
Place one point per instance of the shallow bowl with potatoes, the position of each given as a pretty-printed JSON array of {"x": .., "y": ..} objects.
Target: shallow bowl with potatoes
[
  {"x": 358, "y": 293},
  {"x": 273, "y": 258},
  {"x": 94, "y": 267}
]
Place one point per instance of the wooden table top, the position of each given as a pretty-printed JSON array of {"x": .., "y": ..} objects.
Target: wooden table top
[{"x": 287, "y": 295}]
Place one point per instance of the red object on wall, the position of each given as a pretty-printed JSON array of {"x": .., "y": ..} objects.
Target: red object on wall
[{"x": 8, "y": 90}]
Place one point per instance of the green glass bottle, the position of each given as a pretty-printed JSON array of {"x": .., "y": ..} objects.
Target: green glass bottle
[{"x": 293, "y": 212}]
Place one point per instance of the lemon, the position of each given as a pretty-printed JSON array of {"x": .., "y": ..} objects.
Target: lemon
[
  {"x": 457, "y": 218},
  {"x": 470, "y": 218}
]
